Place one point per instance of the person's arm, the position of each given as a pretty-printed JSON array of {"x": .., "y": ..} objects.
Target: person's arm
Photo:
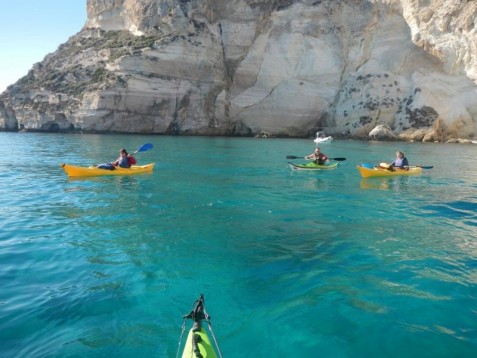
[
  {"x": 310, "y": 156},
  {"x": 405, "y": 163},
  {"x": 116, "y": 162}
]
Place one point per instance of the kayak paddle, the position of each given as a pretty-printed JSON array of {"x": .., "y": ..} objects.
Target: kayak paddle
[
  {"x": 302, "y": 157},
  {"x": 144, "y": 148}
]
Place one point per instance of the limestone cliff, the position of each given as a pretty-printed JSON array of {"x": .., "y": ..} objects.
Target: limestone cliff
[{"x": 241, "y": 67}]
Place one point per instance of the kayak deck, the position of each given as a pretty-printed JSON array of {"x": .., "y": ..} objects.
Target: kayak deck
[
  {"x": 75, "y": 171},
  {"x": 382, "y": 172},
  {"x": 203, "y": 344},
  {"x": 312, "y": 166}
]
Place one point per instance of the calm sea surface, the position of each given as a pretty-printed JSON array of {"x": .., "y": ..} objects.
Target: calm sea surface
[{"x": 292, "y": 264}]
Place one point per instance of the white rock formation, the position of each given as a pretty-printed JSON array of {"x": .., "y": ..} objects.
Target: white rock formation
[
  {"x": 381, "y": 132},
  {"x": 242, "y": 67}
]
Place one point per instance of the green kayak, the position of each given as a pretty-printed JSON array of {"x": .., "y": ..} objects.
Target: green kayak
[
  {"x": 312, "y": 166},
  {"x": 198, "y": 344}
]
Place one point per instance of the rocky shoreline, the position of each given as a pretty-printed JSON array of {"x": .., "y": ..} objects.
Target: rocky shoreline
[
  {"x": 265, "y": 135},
  {"x": 285, "y": 68}
]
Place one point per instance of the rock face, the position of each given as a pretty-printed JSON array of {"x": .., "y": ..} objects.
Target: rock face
[{"x": 245, "y": 67}]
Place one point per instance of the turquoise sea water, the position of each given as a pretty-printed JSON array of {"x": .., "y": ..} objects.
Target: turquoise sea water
[{"x": 292, "y": 264}]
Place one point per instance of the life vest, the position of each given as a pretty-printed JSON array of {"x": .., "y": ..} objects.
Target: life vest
[
  {"x": 131, "y": 160},
  {"x": 321, "y": 159},
  {"x": 123, "y": 162}
]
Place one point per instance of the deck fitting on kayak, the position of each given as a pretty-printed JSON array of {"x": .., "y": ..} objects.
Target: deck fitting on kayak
[{"x": 198, "y": 344}]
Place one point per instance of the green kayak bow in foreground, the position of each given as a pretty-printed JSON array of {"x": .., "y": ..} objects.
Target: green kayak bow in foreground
[{"x": 198, "y": 344}]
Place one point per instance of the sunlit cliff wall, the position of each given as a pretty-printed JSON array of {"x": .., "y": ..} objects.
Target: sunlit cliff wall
[{"x": 242, "y": 67}]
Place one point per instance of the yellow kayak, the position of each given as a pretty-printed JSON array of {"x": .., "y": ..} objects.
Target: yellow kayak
[
  {"x": 382, "y": 172},
  {"x": 74, "y": 171}
]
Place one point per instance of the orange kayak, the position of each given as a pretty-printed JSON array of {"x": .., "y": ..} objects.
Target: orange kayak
[
  {"x": 74, "y": 171},
  {"x": 382, "y": 172}
]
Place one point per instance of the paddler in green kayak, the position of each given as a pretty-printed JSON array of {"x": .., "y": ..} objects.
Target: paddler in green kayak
[{"x": 318, "y": 157}]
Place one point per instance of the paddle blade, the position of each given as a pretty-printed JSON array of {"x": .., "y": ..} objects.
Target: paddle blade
[
  {"x": 339, "y": 159},
  {"x": 145, "y": 147},
  {"x": 426, "y": 166}
]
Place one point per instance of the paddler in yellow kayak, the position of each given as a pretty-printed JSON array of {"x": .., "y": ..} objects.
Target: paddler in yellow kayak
[
  {"x": 124, "y": 160},
  {"x": 400, "y": 162}
]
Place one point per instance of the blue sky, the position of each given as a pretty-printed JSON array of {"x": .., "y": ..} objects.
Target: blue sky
[{"x": 31, "y": 29}]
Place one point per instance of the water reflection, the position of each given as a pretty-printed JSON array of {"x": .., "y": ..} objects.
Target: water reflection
[
  {"x": 380, "y": 184},
  {"x": 392, "y": 183}
]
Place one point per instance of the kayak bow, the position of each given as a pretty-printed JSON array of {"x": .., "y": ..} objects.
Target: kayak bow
[
  {"x": 74, "y": 171},
  {"x": 198, "y": 344}
]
